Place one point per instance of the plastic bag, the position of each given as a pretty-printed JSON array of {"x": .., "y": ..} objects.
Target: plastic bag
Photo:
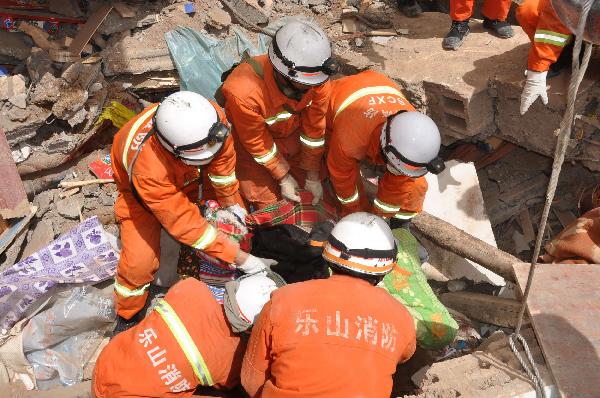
[
  {"x": 200, "y": 59},
  {"x": 59, "y": 341}
]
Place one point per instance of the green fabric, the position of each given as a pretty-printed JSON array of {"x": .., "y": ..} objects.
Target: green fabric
[{"x": 407, "y": 283}]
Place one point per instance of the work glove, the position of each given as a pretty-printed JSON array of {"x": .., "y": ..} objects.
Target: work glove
[
  {"x": 535, "y": 87},
  {"x": 239, "y": 212},
  {"x": 254, "y": 264},
  {"x": 316, "y": 188},
  {"x": 289, "y": 188}
]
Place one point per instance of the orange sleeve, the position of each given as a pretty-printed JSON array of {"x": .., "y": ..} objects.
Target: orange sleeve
[
  {"x": 221, "y": 173},
  {"x": 253, "y": 135},
  {"x": 182, "y": 218},
  {"x": 313, "y": 123},
  {"x": 549, "y": 39},
  {"x": 410, "y": 337},
  {"x": 344, "y": 174},
  {"x": 399, "y": 196},
  {"x": 255, "y": 367}
]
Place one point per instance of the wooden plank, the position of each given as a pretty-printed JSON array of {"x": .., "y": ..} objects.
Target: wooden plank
[
  {"x": 526, "y": 225},
  {"x": 89, "y": 28},
  {"x": 564, "y": 308},
  {"x": 484, "y": 308}
]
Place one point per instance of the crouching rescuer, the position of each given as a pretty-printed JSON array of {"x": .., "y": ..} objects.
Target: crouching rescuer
[
  {"x": 369, "y": 119},
  {"x": 161, "y": 160},
  {"x": 277, "y": 103},
  {"x": 335, "y": 337},
  {"x": 188, "y": 340}
]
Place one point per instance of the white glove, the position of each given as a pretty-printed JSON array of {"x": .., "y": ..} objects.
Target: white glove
[
  {"x": 289, "y": 188},
  {"x": 315, "y": 187},
  {"x": 254, "y": 264},
  {"x": 239, "y": 211},
  {"x": 534, "y": 87}
]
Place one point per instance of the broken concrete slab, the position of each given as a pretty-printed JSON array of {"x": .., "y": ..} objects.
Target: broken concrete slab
[
  {"x": 69, "y": 103},
  {"x": 47, "y": 90},
  {"x": 38, "y": 64},
  {"x": 253, "y": 11},
  {"x": 42, "y": 234},
  {"x": 454, "y": 196},
  {"x": 115, "y": 23},
  {"x": 127, "y": 56},
  {"x": 11, "y": 86},
  {"x": 70, "y": 207},
  {"x": 60, "y": 143},
  {"x": 21, "y": 130},
  {"x": 218, "y": 18},
  {"x": 19, "y": 100},
  {"x": 15, "y": 45}
]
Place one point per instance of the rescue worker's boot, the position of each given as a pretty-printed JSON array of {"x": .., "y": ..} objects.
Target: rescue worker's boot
[
  {"x": 155, "y": 294},
  {"x": 410, "y": 8},
  {"x": 502, "y": 29},
  {"x": 125, "y": 324},
  {"x": 454, "y": 39}
]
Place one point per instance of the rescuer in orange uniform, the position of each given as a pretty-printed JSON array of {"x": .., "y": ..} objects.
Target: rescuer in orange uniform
[
  {"x": 549, "y": 37},
  {"x": 185, "y": 140},
  {"x": 276, "y": 104},
  {"x": 179, "y": 346},
  {"x": 494, "y": 19},
  {"x": 336, "y": 337},
  {"x": 365, "y": 121}
]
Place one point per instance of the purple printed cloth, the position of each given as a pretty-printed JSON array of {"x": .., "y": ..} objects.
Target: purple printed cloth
[{"x": 83, "y": 255}]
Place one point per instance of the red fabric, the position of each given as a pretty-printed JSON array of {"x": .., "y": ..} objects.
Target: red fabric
[
  {"x": 346, "y": 345},
  {"x": 135, "y": 363},
  {"x": 461, "y": 10}
]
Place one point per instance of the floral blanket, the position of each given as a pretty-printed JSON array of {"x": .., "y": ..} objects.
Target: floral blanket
[{"x": 83, "y": 255}]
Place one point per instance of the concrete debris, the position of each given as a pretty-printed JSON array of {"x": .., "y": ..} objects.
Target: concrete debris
[
  {"x": 38, "y": 64},
  {"x": 69, "y": 103},
  {"x": 42, "y": 234},
  {"x": 59, "y": 143},
  {"x": 19, "y": 100},
  {"x": 70, "y": 207},
  {"x": 15, "y": 45},
  {"x": 47, "y": 90},
  {"x": 218, "y": 18},
  {"x": 24, "y": 125},
  {"x": 21, "y": 154},
  {"x": 11, "y": 86}
]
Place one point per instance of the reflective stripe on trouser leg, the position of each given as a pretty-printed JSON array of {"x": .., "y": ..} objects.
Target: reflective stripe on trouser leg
[
  {"x": 186, "y": 343},
  {"x": 350, "y": 199},
  {"x": 312, "y": 142},
  {"x": 386, "y": 207},
  {"x": 405, "y": 215},
  {"x": 549, "y": 37}
]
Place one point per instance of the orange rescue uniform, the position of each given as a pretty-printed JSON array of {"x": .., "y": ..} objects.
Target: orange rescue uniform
[
  {"x": 345, "y": 346},
  {"x": 547, "y": 33},
  {"x": 169, "y": 190},
  {"x": 461, "y": 10},
  {"x": 358, "y": 108},
  {"x": 273, "y": 134},
  {"x": 175, "y": 349}
]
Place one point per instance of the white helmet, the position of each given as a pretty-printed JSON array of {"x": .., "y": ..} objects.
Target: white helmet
[
  {"x": 362, "y": 243},
  {"x": 190, "y": 127},
  {"x": 410, "y": 143},
  {"x": 252, "y": 294},
  {"x": 301, "y": 52}
]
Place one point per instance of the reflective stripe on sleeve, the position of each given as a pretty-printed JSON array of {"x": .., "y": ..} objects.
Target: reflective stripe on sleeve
[
  {"x": 312, "y": 142},
  {"x": 549, "y": 37},
  {"x": 126, "y": 292},
  {"x": 363, "y": 92},
  {"x": 185, "y": 341},
  {"x": 402, "y": 215},
  {"x": 351, "y": 199},
  {"x": 222, "y": 180},
  {"x": 143, "y": 119},
  {"x": 265, "y": 158},
  {"x": 207, "y": 238},
  {"x": 280, "y": 117},
  {"x": 385, "y": 206}
]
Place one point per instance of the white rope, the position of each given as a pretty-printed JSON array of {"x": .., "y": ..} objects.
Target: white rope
[{"x": 578, "y": 71}]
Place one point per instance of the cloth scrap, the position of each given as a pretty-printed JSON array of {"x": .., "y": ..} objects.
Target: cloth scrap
[
  {"x": 578, "y": 243},
  {"x": 81, "y": 256}
]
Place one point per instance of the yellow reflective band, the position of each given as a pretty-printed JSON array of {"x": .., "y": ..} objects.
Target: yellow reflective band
[
  {"x": 549, "y": 37},
  {"x": 265, "y": 158},
  {"x": 206, "y": 239},
  {"x": 312, "y": 142},
  {"x": 185, "y": 341},
  {"x": 134, "y": 130},
  {"x": 405, "y": 215},
  {"x": 222, "y": 180},
  {"x": 351, "y": 199},
  {"x": 386, "y": 207},
  {"x": 281, "y": 116},
  {"x": 125, "y": 292},
  {"x": 363, "y": 92}
]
